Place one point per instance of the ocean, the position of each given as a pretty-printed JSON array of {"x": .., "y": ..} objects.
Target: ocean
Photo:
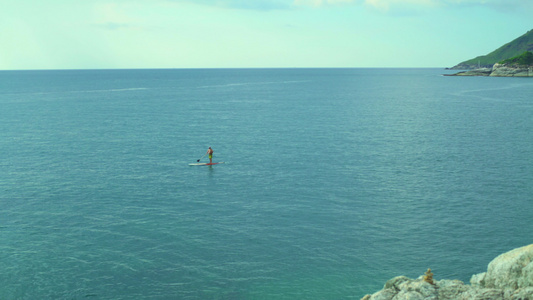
[{"x": 334, "y": 181}]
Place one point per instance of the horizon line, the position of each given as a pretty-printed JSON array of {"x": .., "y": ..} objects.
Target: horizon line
[{"x": 215, "y": 68}]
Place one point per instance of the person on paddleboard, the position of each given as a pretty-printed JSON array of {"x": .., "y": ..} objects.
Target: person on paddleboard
[{"x": 210, "y": 153}]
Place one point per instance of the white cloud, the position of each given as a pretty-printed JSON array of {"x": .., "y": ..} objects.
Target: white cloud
[
  {"x": 401, "y": 6},
  {"x": 404, "y": 5},
  {"x": 113, "y": 16},
  {"x": 386, "y": 5},
  {"x": 243, "y": 4},
  {"x": 317, "y": 3}
]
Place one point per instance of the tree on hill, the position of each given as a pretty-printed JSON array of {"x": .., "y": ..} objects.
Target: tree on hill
[{"x": 525, "y": 59}]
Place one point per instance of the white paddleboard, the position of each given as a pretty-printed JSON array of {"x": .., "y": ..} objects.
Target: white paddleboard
[{"x": 206, "y": 164}]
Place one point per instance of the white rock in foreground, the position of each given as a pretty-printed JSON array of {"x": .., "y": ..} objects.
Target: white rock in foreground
[
  {"x": 508, "y": 277},
  {"x": 502, "y": 70}
]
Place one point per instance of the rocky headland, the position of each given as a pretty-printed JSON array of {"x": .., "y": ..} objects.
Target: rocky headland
[
  {"x": 518, "y": 66},
  {"x": 506, "y": 70},
  {"x": 508, "y": 277},
  {"x": 499, "y": 70}
]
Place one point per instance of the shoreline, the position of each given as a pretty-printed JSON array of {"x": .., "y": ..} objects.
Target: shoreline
[{"x": 498, "y": 70}]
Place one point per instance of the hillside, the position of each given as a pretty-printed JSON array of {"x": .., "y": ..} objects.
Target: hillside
[
  {"x": 525, "y": 59},
  {"x": 512, "y": 49}
]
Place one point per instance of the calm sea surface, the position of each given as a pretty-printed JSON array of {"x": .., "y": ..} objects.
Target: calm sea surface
[{"x": 335, "y": 181}]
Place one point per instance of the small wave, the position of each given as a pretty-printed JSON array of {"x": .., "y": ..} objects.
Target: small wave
[
  {"x": 75, "y": 92},
  {"x": 250, "y": 83},
  {"x": 129, "y": 89},
  {"x": 110, "y": 90}
]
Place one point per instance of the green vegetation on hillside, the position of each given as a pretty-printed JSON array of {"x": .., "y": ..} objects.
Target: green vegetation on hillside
[
  {"x": 512, "y": 49},
  {"x": 525, "y": 58}
]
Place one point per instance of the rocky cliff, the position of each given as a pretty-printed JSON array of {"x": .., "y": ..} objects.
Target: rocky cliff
[
  {"x": 518, "y": 66},
  {"x": 505, "y": 70},
  {"x": 500, "y": 70},
  {"x": 508, "y": 277}
]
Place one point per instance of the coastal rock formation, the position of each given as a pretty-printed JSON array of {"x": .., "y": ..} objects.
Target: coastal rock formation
[
  {"x": 474, "y": 72},
  {"x": 518, "y": 66},
  {"x": 508, "y": 277},
  {"x": 504, "y": 70},
  {"x": 499, "y": 70}
]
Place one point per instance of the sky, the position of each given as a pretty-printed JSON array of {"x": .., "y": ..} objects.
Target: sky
[{"x": 131, "y": 34}]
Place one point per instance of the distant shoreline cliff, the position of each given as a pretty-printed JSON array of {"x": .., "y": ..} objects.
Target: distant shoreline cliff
[
  {"x": 508, "y": 277},
  {"x": 518, "y": 66},
  {"x": 498, "y": 70}
]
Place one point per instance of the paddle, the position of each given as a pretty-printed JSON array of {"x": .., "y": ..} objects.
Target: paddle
[{"x": 201, "y": 158}]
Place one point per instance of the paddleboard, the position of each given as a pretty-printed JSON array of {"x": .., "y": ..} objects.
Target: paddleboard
[{"x": 206, "y": 164}]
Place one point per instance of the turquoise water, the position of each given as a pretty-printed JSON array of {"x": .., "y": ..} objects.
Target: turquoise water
[{"x": 335, "y": 181}]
